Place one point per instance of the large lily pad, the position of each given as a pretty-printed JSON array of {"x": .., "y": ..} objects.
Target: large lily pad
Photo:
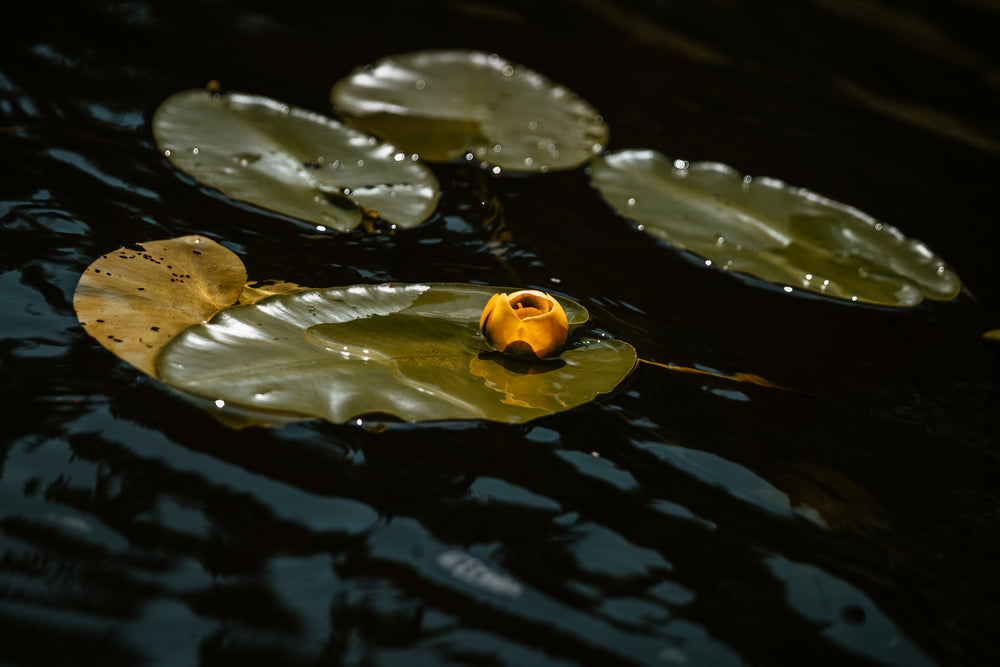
[
  {"x": 443, "y": 104},
  {"x": 291, "y": 160},
  {"x": 413, "y": 351},
  {"x": 766, "y": 228}
]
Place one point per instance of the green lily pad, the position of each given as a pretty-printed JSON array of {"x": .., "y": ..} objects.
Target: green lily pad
[
  {"x": 413, "y": 351},
  {"x": 768, "y": 229},
  {"x": 291, "y": 160},
  {"x": 445, "y": 104}
]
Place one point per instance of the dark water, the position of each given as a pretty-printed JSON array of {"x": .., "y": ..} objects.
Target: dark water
[{"x": 681, "y": 520}]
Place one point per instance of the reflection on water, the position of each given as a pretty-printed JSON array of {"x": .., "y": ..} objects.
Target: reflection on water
[{"x": 680, "y": 520}]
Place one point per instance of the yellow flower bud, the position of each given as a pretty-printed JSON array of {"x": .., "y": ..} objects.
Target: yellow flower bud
[{"x": 527, "y": 324}]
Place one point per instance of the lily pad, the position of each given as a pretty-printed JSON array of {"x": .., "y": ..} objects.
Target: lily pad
[
  {"x": 768, "y": 229},
  {"x": 445, "y": 104},
  {"x": 293, "y": 161},
  {"x": 413, "y": 351},
  {"x": 135, "y": 299}
]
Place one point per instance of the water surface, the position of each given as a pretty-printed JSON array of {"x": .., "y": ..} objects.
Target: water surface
[{"x": 682, "y": 519}]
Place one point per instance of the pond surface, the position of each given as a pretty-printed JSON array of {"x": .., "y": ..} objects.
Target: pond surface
[{"x": 684, "y": 519}]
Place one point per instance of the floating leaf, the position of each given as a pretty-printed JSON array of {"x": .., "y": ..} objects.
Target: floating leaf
[
  {"x": 442, "y": 104},
  {"x": 413, "y": 351},
  {"x": 843, "y": 506},
  {"x": 291, "y": 160},
  {"x": 135, "y": 299},
  {"x": 768, "y": 229}
]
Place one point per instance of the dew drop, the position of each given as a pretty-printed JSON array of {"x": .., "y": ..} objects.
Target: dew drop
[
  {"x": 244, "y": 159},
  {"x": 399, "y": 157},
  {"x": 194, "y": 151},
  {"x": 640, "y": 227},
  {"x": 528, "y": 162},
  {"x": 320, "y": 228},
  {"x": 166, "y": 153},
  {"x": 747, "y": 179},
  {"x": 420, "y": 84},
  {"x": 496, "y": 170},
  {"x": 219, "y": 403},
  {"x": 497, "y": 148},
  {"x": 788, "y": 289},
  {"x": 361, "y": 163},
  {"x": 720, "y": 240},
  {"x": 508, "y": 70},
  {"x": 681, "y": 164},
  {"x": 532, "y": 125},
  {"x": 630, "y": 201}
]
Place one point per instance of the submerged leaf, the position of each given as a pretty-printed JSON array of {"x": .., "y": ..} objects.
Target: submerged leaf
[
  {"x": 134, "y": 300},
  {"x": 442, "y": 104},
  {"x": 291, "y": 160},
  {"x": 411, "y": 351},
  {"x": 768, "y": 229}
]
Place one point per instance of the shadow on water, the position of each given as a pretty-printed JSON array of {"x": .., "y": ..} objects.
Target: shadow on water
[{"x": 682, "y": 519}]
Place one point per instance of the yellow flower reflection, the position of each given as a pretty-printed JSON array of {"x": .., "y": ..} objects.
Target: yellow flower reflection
[{"x": 528, "y": 324}]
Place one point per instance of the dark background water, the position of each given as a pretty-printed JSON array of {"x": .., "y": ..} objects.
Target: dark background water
[{"x": 681, "y": 520}]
